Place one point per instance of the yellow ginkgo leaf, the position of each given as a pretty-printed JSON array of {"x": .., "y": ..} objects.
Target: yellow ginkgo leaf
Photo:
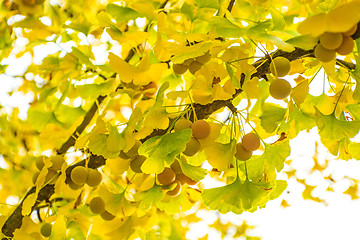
[
  {"x": 28, "y": 203},
  {"x": 299, "y": 93},
  {"x": 314, "y": 25}
]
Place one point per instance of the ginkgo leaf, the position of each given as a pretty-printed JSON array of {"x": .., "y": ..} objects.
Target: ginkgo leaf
[
  {"x": 28, "y": 203},
  {"x": 194, "y": 172},
  {"x": 237, "y": 197},
  {"x": 220, "y": 155},
  {"x": 161, "y": 150},
  {"x": 122, "y": 13},
  {"x": 307, "y": 26},
  {"x": 182, "y": 202},
  {"x": 225, "y": 28},
  {"x": 299, "y": 93},
  {"x": 332, "y": 128},
  {"x": 115, "y": 141},
  {"x": 117, "y": 204},
  {"x": 343, "y": 18},
  {"x": 271, "y": 116},
  {"x": 151, "y": 197},
  {"x": 59, "y": 228},
  {"x": 271, "y": 161}
]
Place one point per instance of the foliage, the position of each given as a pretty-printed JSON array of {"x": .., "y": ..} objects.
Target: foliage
[{"x": 110, "y": 80}]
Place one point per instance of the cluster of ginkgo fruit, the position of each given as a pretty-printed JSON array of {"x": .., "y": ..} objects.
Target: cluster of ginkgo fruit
[
  {"x": 280, "y": 88},
  {"x": 191, "y": 64},
  {"x": 97, "y": 206},
  {"x": 331, "y": 43},
  {"x": 249, "y": 143},
  {"x": 80, "y": 175}
]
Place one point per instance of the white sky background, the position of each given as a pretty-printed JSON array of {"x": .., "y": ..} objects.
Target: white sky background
[{"x": 304, "y": 219}]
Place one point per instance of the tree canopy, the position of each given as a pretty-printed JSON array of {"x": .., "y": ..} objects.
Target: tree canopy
[{"x": 131, "y": 109}]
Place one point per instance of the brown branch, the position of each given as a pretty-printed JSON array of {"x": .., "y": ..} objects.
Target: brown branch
[
  {"x": 15, "y": 219},
  {"x": 231, "y": 5},
  {"x": 87, "y": 119}
]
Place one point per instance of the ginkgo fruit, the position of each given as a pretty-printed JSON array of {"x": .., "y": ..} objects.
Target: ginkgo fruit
[
  {"x": 324, "y": 54},
  {"x": 280, "y": 89},
  {"x": 185, "y": 179},
  {"x": 176, "y": 167},
  {"x": 107, "y": 216},
  {"x": 181, "y": 124},
  {"x": 180, "y": 69},
  {"x": 94, "y": 178},
  {"x": 57, "y": 162},
  {"x": 79, "y": 175},
  {"x": 351, "y": 31},
  {"x": 136, "y": 163},
  {"x": 331, "y": 40},
  {"x": 166, "y": 177},
  {"x": 73, "y": 185},
  {"x": 97, "y": 205},
  {"x": 39, "y": 162},
  {"x": 241, "y": 153},
  {"x": 346, "y": 47},
  {"x": 203, "y": 59},
  {"x": 192, "y": 147},
  {"x": 46, "y": 229},
  {"x": 200, "y": 129},
  {"x": 176, "y": 190},
  {"x": 194, "y": 67},
  {"x": 250, "y": 141},
  {"x": 280, "y": 66}
]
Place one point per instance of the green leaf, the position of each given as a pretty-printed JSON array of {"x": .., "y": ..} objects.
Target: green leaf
[
  {"x": 354, "y": 109},
  {"x": 332, "y": 128},
  {"x": 237, "y": 197},
  {"x": 354, "y": 149},
  {"x": 115, "y": 141},
  {"x": 263, "y": 36},
  {"x": 122, "y": 13},
  {"x": 297, "y": 121},
  {"x": 97, "y": 144},
  {"x": 68, "y": 115},
  {"x": 271, "y": 116},
  {"x": 303, "y": 41},
  {"x": 188, "y": 9},
  {"x": 225, "y": 28},
  {"x": 151, "y": 197},
  {"x": 163, "y": 149},
  {"x": 193, "y": 172},
  {"x": 39, "y": 119},
  {"x": 92, "y": 91},
  {"x": 279, "y": 188},
  {"x": 208, "y": 4},
  {"x": 278, "y": 19},
  {"x": 231, "y": 73},
  {"x": 266, "y": 165},
  {"x": 82, "y": 57}
]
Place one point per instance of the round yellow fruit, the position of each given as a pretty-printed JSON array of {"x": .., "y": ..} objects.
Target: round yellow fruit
[
  {"x": 280, "y": 66},
  {"x": 324, "y": 54},
  {"x": 280, "y": 89},
  {"x": 331, "y": 40}
]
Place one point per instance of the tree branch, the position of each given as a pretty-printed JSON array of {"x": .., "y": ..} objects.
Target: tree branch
[
  {"x": 87, "y": 119},
  {"x": 231, "y": 5}
]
